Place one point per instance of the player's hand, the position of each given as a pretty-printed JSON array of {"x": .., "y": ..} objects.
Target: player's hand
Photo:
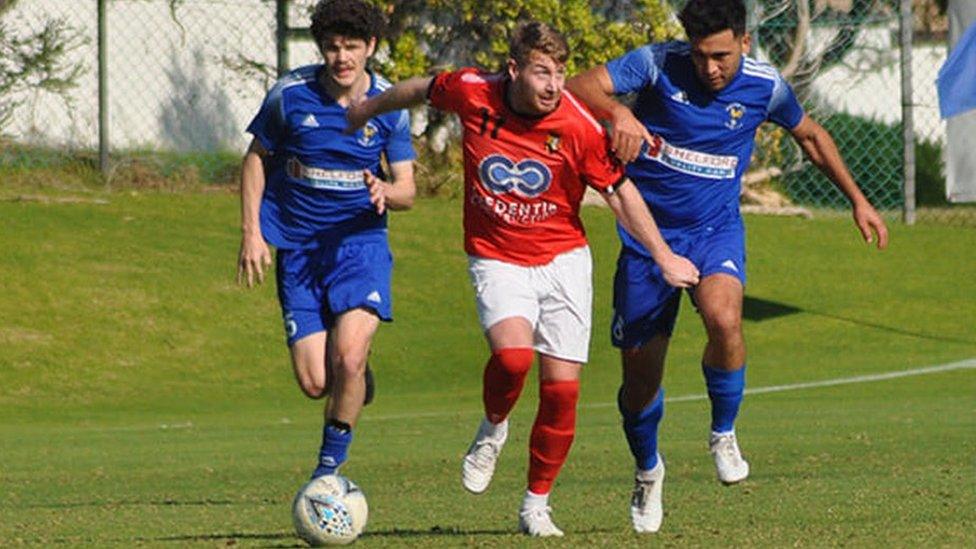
[
  {"x": 871, "y": 225},
  {"x": 253, "y": 259},
  {"x": 357, "y": 115},
  {"x": 377, "y": 191},
  {"x": 679, "y": 272},
  {"x": 629, "y": 135}
]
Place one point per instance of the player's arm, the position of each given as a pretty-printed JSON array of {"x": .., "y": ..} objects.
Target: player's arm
[
  {"x": 595, "y": 88},
  {"x": 820, "y": 148},
  {"x": 396, "y": 195},
  {"x": 254, "y": 256},
  {"x": 403, "y": 95},
  {"x": 631, "y": 210}
]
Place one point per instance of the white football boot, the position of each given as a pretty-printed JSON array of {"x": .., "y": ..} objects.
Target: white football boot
[
  {"x": 478, "y": 465},
  {"x": 729, "y": 465},
  {"x": 537, "y": 522},
  {"x": 646, "y": 510}
]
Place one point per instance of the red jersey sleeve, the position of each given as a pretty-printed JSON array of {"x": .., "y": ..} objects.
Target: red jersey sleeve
[
  {"x": 594, "y": 163},
  {"x": 454, "y": 91}
]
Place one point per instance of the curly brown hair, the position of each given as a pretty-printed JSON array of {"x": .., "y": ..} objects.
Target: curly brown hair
[{"x": 349, "y": 18}]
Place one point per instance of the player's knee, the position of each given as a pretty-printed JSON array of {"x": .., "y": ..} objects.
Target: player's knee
[
  {"x": 514, "y": 360},
  {"x": 724, "y": 324},
  {"x": 312, "y": 387},
  {"x": 350, "y": 364}
]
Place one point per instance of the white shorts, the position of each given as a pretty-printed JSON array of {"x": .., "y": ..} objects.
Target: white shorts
[{"x": 556, "y": 299}]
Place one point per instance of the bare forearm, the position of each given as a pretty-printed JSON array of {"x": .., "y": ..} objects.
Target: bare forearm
[
  {"x": 252, "y": 188},
  {"x": 595, "y": 89},
  {"x": 405, "y": 94},
  {"x": 630, "y": 209}
]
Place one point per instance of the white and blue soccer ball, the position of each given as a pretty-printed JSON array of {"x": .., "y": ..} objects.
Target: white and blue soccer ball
[{"x": 329, "y": 510}]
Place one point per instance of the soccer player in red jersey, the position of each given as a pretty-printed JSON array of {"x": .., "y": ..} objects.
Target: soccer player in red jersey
[{"x": 530, "y": 150}]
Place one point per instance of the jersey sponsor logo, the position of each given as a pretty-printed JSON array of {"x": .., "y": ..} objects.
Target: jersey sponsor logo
[
  {"x": 318, "y": 178},
  {"x": 515, "y": 213},
  {"x": 366, "y": 135},
  {"x": 735, "y": 111},
  {"x": 528, "y": 177},
  {"x": 709, "y": 166}
]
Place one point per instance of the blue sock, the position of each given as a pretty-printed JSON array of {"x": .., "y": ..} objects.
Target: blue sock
[
  {"x": 725, "y": 391},
  {"x": 335, "y": 445},
  {"x": 641, "y": 430}
]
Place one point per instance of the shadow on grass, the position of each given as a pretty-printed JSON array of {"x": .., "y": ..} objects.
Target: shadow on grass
[{"x": 757, "y": 310}]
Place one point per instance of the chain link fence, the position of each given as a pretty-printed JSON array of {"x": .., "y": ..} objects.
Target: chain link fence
[{"x": 184, "y": 77}]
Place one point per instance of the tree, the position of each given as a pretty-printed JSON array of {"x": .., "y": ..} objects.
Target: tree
[{"x": 33, "y": 63}]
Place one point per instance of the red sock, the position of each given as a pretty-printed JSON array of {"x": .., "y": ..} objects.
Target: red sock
[
  {"x": 504, "y": 376},
  {"x": 552, "y": 434}
]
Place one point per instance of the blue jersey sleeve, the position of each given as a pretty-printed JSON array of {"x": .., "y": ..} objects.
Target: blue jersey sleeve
[
  {"x": 634, "y": 70},
  {"x": 784, "y": 108},
  {"x": 399, "y": 147},
  {"x": 268, "y": 125}
]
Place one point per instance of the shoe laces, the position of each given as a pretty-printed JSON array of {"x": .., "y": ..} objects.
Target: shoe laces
[
  {"x": 642, "y": 489},
  {"x": 484, "y": 453},
  {"x": 543, "y": 513},
  {"x": 727, "y": 447}
]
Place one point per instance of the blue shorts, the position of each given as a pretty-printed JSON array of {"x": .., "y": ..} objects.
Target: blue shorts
[
  {"x": 645, "y": 305},
  {"x": 317, "y": 285}
]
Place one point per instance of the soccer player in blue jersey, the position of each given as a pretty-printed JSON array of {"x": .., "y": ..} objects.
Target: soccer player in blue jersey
[
  {"x": 688, "y": 138},
  {"x": 319, "y": 196}
]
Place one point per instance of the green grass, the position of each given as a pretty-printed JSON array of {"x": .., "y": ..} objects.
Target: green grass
[{"x": 147, "y": 400}]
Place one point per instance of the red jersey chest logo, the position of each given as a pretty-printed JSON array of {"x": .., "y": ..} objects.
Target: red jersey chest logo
[{"x": 527, "y": 177}]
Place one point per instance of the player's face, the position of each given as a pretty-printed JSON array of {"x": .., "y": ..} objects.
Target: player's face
[
  {"x": 345, "y": 58},
  {"x": 717, "y": 57},
  {"x": 537, "y": 84}
]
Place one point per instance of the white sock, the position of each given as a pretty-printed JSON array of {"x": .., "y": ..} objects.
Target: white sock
[
  {"x": 722, "y": 434},
  {"x": 534, "y": 501}
]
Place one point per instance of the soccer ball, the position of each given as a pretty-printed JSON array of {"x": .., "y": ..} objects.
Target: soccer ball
[{"x": 329, "y": 510}]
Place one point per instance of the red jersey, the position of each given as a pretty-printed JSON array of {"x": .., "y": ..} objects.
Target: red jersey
[{"x": 523, "y": 177}]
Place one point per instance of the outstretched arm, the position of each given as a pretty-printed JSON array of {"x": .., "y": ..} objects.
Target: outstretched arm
[
  {"x": 819, "y": 146},
  {"x": 254, "y": 256},
  {"x": 631, "y": 210},
  {"x": 595, "y": 88},
  {"x": 404, "y": 94}
]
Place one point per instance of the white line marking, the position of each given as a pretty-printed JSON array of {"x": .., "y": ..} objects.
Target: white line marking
[{"x": 968, "y": 364}]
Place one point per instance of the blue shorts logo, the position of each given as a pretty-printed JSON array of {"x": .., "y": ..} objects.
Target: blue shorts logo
[{"x": 529, "y": 177}]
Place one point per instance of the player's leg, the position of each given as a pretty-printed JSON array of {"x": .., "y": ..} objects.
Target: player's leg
[
  {"x": 506, "y": 310},
  {"x": 301, "y": 307},
  {"x": 720, "y": 255},
  {"x": 357, "y": 298},
  {"x": 552, "y": 436},
  {"x": 719, "y": 298},
  {"x": 565, "y": 293},
  {"x": 645, "y": 312}
]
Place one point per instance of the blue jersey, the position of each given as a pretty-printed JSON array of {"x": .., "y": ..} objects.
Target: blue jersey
[
  {"x": 690, "y": 174},
  {"x": 315, "y": 192}
]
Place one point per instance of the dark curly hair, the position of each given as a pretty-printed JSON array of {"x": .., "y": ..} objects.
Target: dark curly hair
[
  {"x": 702, "y": 18},
  {"x": 349, "y": 18}
]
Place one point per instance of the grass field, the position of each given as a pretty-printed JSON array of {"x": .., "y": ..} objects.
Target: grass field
[{"x": 146, "y": 400}]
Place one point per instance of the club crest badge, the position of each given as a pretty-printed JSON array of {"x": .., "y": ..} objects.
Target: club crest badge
[
  {"x": 735, "y": 111},
  {"x": 367, "y": 134},
  {"x": 553, "y": 142}
]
